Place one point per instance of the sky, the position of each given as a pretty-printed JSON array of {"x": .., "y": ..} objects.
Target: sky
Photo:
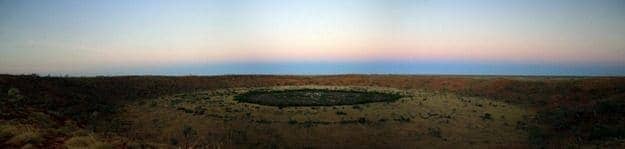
[{"x": 213, "y": 37}]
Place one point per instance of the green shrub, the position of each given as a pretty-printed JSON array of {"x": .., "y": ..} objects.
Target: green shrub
[
  {"x": 603, "y": 120},
  {"x": 189, "y": 135},
  {"x": 80, "y": 133},
  {"x": 173, "y": 141},
  {"x": 8, "y": 131},
  {"x": 188, "y": 131},
  {"x": 403, "y": 119},
  {"x": 612, "y": 107},
  {"x": 27, "y": 137},
  {"x": 363, "y": 120},
  {"x": 28, "y": 146},
  {"x": 435, "y": 132},
  {"x": 86, "y": 142},
  {"x": 41, "y": 119},
  {"x": 19, "y": 135},
  {"x": 292, "y": 121},
  {"x": 144, "y": 145},
  {"x": 559, "y": 118},
  {"x": 601, "y": 131},
  {"x": 486, "y": 116},
  {"x": 14, "y": 95},
  {"x": 537, "y": 136}
]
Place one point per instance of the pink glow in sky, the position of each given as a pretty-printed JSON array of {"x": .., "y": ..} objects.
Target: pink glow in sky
[{"x": 80, "y": 36}]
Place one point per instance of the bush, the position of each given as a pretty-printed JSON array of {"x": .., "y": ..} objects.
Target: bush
[
  {"x": 80, "y": 133},
  {"x": 363, "y": 120},
  {"x": 8, "y": 131},
  {"x": 486, "y": 116},
  {"x": 613, "y": 107},
  {"x": 19, "y": 135},
  {"x": 28, "y": 137},
  {"x": 86, "y": 142},
  {"x": 188, "y": 131},
  {"x": 189, "y": 135},
  {"x": 14, "y": 95},
  {"x": 435, "y": 132},
  {"x": 403, "y": 119},
  {"x": 537, "y": 136},
  {"x": 41, "y": 119},
  {"x": 560, "y": 118},
  {"x": 292, "y": 121},
  {"x": 600, "y": 131},
  {"x": 610, "y": 123},
  {"x": 144, "y": 145},
  {"x": 173, "y": 141},
  {"x": 603, "y": 120}
]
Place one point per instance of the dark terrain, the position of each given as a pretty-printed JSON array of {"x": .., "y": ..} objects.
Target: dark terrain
[
  {"x": 56, "y": 112},
  {"x": 314, "y": 97}
]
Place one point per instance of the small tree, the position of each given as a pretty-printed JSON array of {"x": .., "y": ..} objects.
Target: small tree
[
  {"x": 11, "y": 105},
  {"x": 486, "y": 116},
  {"x": 14, "y": 95},
  {"x": 189, "y": 135}
]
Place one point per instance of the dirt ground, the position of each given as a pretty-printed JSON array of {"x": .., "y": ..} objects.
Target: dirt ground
[
  {"x": 200, "y": 112},
  {"x": 420, "y": 118}
]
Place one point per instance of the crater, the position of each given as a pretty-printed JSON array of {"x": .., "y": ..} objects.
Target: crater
[{"x": 314, "y": 97}]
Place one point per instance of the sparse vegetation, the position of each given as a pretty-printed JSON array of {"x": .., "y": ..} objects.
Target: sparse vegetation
[
  {"x": 57, "y": 112},
  {"x": 80, "y": 142},
  {"x": 486, "y": 116},
  {"x": 313, "y": 97},
  {"x": 189, "y": 134},
  {"x": 435, "y": 132}
]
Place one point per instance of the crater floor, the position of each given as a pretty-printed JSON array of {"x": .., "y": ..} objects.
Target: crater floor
[
  {"x": 416, "y": 118},
  {"x": 315, "y": 97}
]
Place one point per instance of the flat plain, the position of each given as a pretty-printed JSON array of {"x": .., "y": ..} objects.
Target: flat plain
[{"x": 338, "y": 111}]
